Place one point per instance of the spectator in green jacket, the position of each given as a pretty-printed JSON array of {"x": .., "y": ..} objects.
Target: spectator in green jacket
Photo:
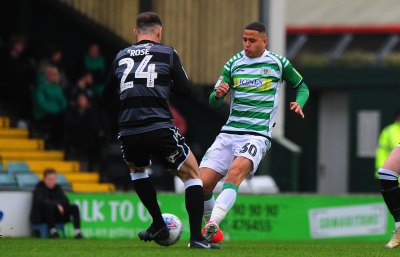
[
  {"x": 388, "y": 140},
  {"x": 95, "y": 63},
  {"x": 49, "y": 106}
]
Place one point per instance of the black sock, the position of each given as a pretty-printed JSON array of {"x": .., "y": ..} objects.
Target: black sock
[
  {"x": 388, "y": 184},
  {"x": 391, "y": 195},
  {"x": 195, "y": 207},
  {"x": 392, "y": 200},
  {"x": 147, "y": 194}
]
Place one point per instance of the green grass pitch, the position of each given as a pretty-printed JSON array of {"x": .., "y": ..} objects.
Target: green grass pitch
[{"x": 24, "y": 247}]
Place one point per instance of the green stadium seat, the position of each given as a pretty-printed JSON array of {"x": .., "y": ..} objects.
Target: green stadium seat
[
  {"x": 27, "y": 181},
  {"x": 15, "y": 168},
  {"x": 62, "y": 181},
  {"x": 7, "y": 182}
]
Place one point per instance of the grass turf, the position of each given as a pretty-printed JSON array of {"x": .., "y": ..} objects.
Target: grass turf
[{"x": 22, "y": 247}]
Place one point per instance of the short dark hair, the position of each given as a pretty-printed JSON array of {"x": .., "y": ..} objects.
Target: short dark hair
[
  {"x": 257, "y": 26},
  {"x": 49, "y": 171},
  {"x": 148, "y": 19}
]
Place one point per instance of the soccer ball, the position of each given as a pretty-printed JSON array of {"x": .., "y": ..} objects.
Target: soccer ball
[{"x": 174, "y": 225}]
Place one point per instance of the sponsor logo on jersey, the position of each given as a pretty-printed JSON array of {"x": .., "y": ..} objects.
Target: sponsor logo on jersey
[
  {"x": 250, "y": 82},
  {"x": 265, "y": 72}
]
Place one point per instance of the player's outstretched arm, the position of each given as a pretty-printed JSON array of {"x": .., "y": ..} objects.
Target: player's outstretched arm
[
  {"x": 297, "y": 109},
  {"x": 301, "y": 99}
]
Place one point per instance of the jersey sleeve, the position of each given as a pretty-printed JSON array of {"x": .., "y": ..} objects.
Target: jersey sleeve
[
  {"x": 291, "y": 75},
  {"x": 302, "y": 94},
  {"x": 181, "y": 85},
  {"x": 226, "y": 75}
]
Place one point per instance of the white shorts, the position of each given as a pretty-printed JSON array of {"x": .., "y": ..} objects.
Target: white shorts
[{"x": 226, "y": 147}]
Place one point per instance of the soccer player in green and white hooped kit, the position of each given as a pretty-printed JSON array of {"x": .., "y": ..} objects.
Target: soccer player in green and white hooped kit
[{"x": 254, "y": 78}]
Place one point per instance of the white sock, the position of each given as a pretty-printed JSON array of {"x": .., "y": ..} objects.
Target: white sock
[
  {"x": 208, "y": 207},
  {"x": 224, "y": 203},
  {"x": 77, "y": 231},
  {"x": 53, "y": 231}
]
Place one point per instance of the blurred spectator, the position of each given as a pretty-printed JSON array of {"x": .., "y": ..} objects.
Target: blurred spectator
[
  {"x": 94, "y": 62},
  {"x": 50, "y": 205},
  {"x": 17, "y": 72},
  {"x": 49, "y": 106},
  {"x": 55, "y": 59},
  {"x": 84, "y": 84},
  {"x": 388, "y": 140},
  {"x": 85, "y": 131}
]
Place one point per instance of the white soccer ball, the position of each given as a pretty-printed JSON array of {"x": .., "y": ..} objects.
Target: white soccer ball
[{"x": 174, "y": 225}]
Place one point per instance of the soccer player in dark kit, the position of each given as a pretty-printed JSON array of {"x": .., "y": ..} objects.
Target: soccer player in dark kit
[{"x": 144, "y": 74}]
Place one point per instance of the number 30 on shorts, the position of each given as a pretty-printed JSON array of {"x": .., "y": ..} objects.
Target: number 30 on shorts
[{"x": 252, "y": 149}]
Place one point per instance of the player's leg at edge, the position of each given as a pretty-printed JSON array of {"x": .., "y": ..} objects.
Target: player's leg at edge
[
  {"x": 148, "y": 196},
  {"x": 190, "y": 176},
  {"x": 238, "y": 171},
  {"x": 388, "y": 177},
  {"x": 210, "y": 179}
]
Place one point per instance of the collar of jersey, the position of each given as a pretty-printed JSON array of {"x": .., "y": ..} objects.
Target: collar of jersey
[{"x": 146, "y": 42}]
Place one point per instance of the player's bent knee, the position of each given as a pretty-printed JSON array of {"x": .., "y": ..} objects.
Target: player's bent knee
[
  {"x": 186, "y": 174},
  {"x": 207, "y": 189},
  {"x": 235, "y": 177},
  {"x": 134, "y": 169}
]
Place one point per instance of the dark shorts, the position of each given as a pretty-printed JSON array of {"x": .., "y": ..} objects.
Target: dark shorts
[{"x": 166, "y": 144}]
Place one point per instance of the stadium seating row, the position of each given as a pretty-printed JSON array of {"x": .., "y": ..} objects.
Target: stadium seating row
[
  {"x": 20, "y": 176},
  {"x": 14, "y": 133},
  {"x": 4, "y": 122},
  {"x": 21, "y": 144},
  {"x": 28, "y": 181},
  {"x": 12, "y": 155},
  {"x": 23, "y": 160},
  {"x": 38, "y": 166}
]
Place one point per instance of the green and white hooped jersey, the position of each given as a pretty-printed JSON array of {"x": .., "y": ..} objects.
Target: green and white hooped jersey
[{"x": 255, "y": 84}]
